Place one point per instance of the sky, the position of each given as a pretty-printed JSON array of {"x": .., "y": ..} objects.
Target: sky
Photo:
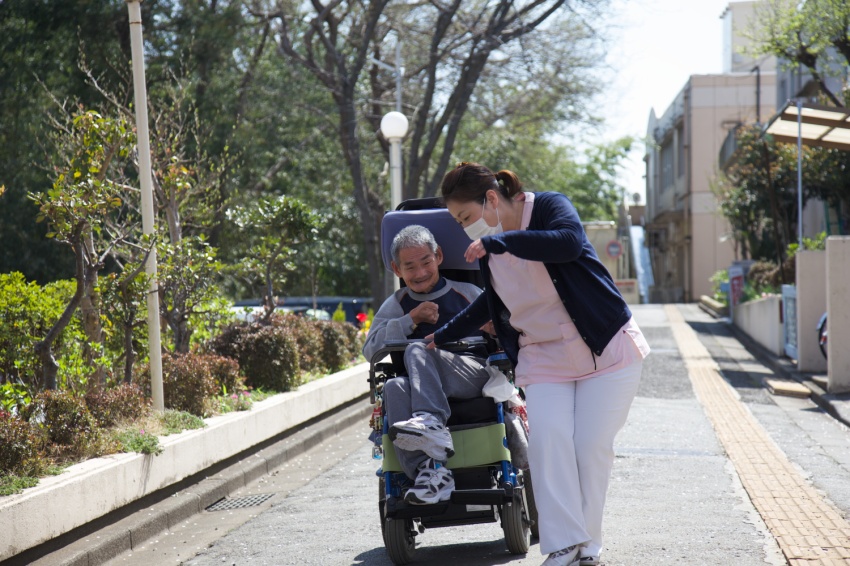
[{"x": 655, "y": 47}]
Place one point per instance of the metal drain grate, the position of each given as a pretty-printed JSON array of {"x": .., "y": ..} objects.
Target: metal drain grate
[{"x": 239, "y": 502}]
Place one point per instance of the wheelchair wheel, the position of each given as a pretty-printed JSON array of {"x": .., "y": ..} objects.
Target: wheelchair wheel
[
  {"x": 399, "y": 540},
  {"x": 515, "y": 526},
  {"x": 382, "y": 499},
  {"x": 532, "y": 505}
]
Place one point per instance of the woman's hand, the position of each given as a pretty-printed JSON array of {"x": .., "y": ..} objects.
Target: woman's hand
[{"x": 474, "y": 251}]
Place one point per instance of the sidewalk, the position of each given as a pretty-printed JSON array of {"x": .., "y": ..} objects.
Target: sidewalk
[
  {"x": 838, "y": 406},
  {"x": 656, "y": 428}
]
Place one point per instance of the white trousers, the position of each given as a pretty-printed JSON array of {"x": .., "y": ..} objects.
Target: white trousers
[{"x": 571, "y": 451}]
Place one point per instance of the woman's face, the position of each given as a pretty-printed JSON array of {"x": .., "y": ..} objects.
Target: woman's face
[{"x": 465, "y": 213}]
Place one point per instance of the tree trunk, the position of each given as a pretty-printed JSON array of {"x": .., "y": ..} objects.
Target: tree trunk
[
  {"x": 90, "y": 312},
  {"x": 370, "y": 208},
  {"x": 44, "y": 349}
]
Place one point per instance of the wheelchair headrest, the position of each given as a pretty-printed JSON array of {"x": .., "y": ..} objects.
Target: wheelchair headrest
[{"x": 448, "y": 233}]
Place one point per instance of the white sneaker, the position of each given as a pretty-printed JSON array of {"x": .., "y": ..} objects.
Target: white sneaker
[
  {"x": 434, "y": 483},
  {"x": 589, "y": 561},
  {"x": 564, "y": 557},
  {"x": 423, "y": 432}
]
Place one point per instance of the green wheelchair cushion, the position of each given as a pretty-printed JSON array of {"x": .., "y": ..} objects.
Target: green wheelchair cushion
[{"x": 479, "y": 446}]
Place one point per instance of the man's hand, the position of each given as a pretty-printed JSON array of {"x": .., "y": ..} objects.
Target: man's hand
[
  {"x": 489, "y": 328},
  {"x": 426, "y": 312}
]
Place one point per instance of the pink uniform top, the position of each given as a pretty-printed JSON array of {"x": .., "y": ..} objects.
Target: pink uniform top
[{"x": 551, "y": 349}]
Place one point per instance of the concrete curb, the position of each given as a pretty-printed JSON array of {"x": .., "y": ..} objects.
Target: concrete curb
[{"x": 92, "y": 489}]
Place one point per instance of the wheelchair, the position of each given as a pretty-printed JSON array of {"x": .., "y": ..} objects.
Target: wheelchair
[{"x": 489, "y": 487}]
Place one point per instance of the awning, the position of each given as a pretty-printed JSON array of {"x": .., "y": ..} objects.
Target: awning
[{"x": 822, "y": 126}]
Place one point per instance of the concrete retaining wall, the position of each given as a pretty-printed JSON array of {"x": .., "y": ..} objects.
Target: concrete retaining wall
[
  {"x": 759, "y": 319},
  {"x": 96, "y": 487}
]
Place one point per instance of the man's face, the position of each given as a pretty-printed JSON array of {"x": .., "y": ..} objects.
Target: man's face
[{"x": 419, "y": 267}]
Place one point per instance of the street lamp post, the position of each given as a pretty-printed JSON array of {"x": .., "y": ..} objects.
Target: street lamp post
[
  {"x": 394, "y": 128},
  {"x": 146, "y": 185}
]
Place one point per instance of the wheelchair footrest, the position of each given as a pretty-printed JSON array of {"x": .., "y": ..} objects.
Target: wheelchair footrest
[{"x": 483, "y": 496}]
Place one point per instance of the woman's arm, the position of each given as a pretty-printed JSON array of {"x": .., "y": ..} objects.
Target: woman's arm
[
  {"x": 465, "y": 323},
  {"x": 560, "y": 240}
]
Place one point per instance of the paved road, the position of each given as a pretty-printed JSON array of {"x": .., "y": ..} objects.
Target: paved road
[{"x": 678, "y": 493}]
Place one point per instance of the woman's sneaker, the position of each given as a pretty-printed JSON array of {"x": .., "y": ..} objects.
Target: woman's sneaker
[
  {"x": 423, "y": 432},
  {"x": 564, "y": 557},
  {"x": 434, "y": 483}
]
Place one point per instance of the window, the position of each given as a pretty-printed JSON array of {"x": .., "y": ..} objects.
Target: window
[{"x": 666, "y": 165}]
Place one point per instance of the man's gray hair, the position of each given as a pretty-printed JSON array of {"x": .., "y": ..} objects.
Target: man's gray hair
[{"x": 412, "y": 236}]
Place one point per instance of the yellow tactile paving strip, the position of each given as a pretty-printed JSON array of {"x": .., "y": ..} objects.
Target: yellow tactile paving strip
[{"x": 808, "y": 529}]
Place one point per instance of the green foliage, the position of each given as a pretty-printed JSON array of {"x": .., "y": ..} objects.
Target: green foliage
[
  {"x": 309, "y": 340},
  {"x": 83, "y": 194},
  {"x": 758, "y": 195},
  {"x": 816, "y": 243},
  {"x": 237, "y": 401},
  {"x": 13, "y": 397},
  {"x": 720, "y": 277},
  {"x": 338, "y": 314},
  {"x": 126, "y": 402},
  {"x": 335, "y": 345},
  {"x": 188, "y": 276},
  {"x": 12, "y": 484},
  {"x": 139, "y": 441},
  {"x": 267, "y": 354},
  {"x": 21, "y": 447},
  {"x": 762, "y": 277},
  {"x": 27, "y": 311},
  {"x": 271, "y": 231},
  {"x": 65, "y": 419},
  {"x": 178, "y": 421}
]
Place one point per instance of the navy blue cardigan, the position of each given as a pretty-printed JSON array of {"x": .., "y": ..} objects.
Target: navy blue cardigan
[{"x": 556, "y": 237}]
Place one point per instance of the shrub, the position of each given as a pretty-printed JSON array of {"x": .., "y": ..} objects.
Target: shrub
[
  {"x": 225, "y": 373},
  {"x": 335, "y": 345},
  {"x": 21, "y": 447},
  {"x": 269, "y": 359},
  {"x": 338, "y": 314},
  {"x": 187, "y": 382},
  {"x": 308, "y": 336},
  {"x": 123, "y": 403},
  {"x": 65, "y": 418},
  {"x": 267, "y": 354},
  {"x": 761, "y": 275},
  {"x": 27, "y": 312},
  {"x": 354, "y": 340}
]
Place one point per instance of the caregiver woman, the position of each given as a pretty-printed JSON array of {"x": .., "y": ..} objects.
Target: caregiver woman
[{"x": 577, "y": 350}]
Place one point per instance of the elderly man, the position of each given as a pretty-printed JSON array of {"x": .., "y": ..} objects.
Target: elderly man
[{"x": 416, "y": 404}]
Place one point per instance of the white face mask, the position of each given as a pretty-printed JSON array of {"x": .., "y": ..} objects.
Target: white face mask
[{"x": 480, "y": 228}]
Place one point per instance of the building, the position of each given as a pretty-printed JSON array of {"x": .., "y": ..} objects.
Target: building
[{"x": 687, "y": 237}]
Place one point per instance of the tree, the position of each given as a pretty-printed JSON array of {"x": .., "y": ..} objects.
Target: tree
[
  {"x": 88, "y": 189},
  {"x": 272, "y": 231},
  {"x": 452, "y": 46},
  {"x": 758, "y": 195},
  {"x": 813, "y": 34}
]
